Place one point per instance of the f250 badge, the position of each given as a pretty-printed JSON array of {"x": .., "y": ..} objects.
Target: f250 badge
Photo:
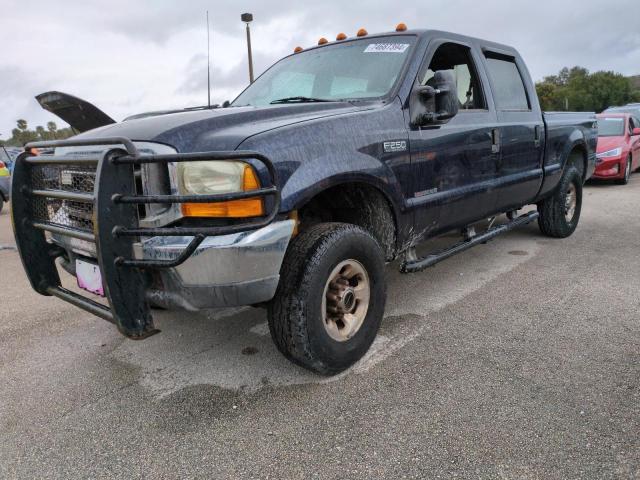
[{"x": 397, "y": 146}]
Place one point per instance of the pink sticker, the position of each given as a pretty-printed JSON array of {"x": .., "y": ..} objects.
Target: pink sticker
[{"x": 89, "y": 277}]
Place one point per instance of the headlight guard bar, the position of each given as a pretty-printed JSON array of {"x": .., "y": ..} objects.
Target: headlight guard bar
[{"x": 116, "y": 225}]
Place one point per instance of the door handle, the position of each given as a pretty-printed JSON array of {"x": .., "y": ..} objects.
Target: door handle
[
  {"x": 538, "y": 136},
  {"x": 495, "y": 140}
]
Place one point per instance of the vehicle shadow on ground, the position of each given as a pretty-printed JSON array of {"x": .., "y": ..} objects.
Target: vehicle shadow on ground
[
  {"x": 597, "y": 183},
  {"x": 232, "y": 348}
]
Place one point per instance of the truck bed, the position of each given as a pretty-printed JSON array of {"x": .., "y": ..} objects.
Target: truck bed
[{"x": 573, "y": 126}]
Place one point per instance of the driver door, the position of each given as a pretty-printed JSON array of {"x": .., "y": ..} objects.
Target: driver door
[{"x": 455, "y": 164}]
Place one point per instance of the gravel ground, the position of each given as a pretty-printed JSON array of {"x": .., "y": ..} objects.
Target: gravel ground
[{"x": 518, "y": 359}]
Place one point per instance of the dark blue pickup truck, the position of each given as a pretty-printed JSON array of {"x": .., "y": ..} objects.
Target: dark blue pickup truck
[{"x": 338, "y": 159}]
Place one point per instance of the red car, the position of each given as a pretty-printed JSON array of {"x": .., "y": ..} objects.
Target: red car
[{"x": 618, "y": 150}]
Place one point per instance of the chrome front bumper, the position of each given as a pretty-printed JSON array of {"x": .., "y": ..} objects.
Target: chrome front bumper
[{"x": 224, "y": 271}]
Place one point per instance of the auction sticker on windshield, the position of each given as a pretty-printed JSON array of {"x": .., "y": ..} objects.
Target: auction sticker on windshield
[{"x": 386, "y": 48}]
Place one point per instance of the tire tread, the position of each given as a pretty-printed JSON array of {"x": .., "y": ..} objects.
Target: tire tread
[
  {"x": 551, "y": 221},
  {"x": 286, "y": 312}
]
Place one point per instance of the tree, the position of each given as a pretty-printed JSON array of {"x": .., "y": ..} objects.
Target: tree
[
  {"x": 53, "y": 129},
  {"x": 22, "y": 134},
  {"x": 577, "y": 89},
  {"x": 42, "y": 135}
]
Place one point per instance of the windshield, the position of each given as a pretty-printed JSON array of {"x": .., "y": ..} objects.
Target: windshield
[
  {"x": 359, "y": 69},
  {"x": 610, "y": 127}
]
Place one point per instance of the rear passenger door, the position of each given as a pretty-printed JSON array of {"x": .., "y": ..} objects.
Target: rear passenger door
[{"x": 521, "y": 129}]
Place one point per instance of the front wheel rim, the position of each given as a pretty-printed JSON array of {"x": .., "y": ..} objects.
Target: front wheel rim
[
  {"x": 570, "y": 203},
  {"x": 345, "y": 300}
]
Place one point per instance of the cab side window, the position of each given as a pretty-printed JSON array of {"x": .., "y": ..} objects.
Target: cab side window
[
  {"x": 457, "y": 59},
  {"x": 509, "y": 91}
]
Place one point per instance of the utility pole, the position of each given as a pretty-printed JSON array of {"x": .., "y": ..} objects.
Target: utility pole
[
  {"x": 208, "y": 65},
  {"x": 248, "y": 18}
]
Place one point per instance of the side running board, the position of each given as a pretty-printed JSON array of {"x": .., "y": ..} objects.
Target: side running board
[{"x": 412, "y": 264}]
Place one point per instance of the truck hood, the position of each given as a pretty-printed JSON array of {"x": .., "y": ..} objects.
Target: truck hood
[
  {"x": 220, "y": 128},
  {"x": 609, "y": 143},
  {"x": 79, "y": 114}
]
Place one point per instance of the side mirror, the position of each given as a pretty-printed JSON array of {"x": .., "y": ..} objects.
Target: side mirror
[
  {"x": 442, "y": 99},
  {"x": 447, "y": 104},
  {"x": 636, "y": 131}
]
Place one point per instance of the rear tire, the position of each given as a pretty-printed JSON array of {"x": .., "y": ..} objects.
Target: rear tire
[
  {"x": 330, "y": 299},
  {"x": 627, "y": 173},
  {"x": 560, "y": 213}
]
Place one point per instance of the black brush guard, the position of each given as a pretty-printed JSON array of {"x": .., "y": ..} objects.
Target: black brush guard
[{"x": 115, "y": 224}]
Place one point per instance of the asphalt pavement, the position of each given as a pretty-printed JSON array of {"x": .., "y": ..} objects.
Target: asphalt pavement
[{"x": 519, "y": 359}]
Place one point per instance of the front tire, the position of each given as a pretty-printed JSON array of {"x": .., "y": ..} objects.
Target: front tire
[
  {"x": 627, "y": 173},
  {"x": 560, "y": 213},
  {"x": 331, "y": 297}
]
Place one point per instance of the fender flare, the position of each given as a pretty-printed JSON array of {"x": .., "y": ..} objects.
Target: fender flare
[
  {"x": 577, "y": 142},
  {"x": 350, "y": 179}
]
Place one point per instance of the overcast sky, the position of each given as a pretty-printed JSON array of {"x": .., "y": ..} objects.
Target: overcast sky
[{"x": 133, "y": 56}]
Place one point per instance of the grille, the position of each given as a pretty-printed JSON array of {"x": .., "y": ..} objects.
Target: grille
[{"x": 69, "y": 178}]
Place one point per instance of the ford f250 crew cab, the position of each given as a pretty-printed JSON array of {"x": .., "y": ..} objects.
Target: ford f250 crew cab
[{"x": 338, "y": 159}]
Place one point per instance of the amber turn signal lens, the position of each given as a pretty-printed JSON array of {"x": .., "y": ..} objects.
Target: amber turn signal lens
[
  {"x": 248, "y": 207},
  {"x": 322, "y": 41},
  {"x": 341, "y": 36},
  {"x": 362, "y": 33},
  {"x": 297, "y": 49},
  {"x": 249, "y": 179},
  {"x": 401, "y": 27}
]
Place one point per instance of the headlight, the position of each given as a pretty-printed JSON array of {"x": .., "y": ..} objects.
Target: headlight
[
  {"x": 616, "y": 152},
  {"x": 207, "y": 178},
  {"x": 219, "y": 177}
]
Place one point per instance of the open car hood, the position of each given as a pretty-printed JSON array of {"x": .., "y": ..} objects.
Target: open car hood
[{"x": 81, "y": 115}]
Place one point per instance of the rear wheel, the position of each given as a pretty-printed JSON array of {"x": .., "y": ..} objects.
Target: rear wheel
[
  {"x": 330, "y": 299},
  {"x": 627, "y": 173},
  {"x": 560, "y": 213}
]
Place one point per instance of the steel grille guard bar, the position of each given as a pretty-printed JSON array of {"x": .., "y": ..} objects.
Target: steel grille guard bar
[{"x": 116, "y": 226}]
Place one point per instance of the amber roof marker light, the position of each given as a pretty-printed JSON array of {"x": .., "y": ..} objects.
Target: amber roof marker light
[
  {"x": 341, "y": 36},
  {"x": 401, "y": 27},
  {"x": 297, "y": 49},
  {"x": 322, "y": 41},
  {"x": 362, "y": 33}
]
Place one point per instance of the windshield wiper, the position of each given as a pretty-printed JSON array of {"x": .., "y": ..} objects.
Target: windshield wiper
[{"x": 299, "y": 100}]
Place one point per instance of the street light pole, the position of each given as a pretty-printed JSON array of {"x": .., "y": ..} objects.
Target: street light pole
[
  {"x": 248, "y": 18},
  {"x": 208, "y": 65}
]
